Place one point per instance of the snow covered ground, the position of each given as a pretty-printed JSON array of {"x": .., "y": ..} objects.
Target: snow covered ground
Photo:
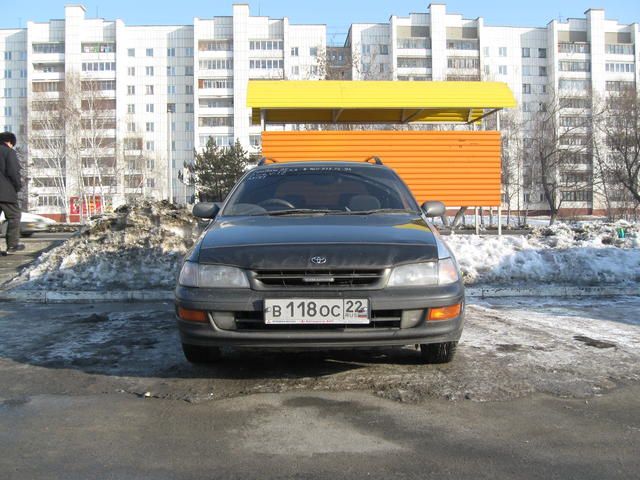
[
  {"x": 509, "y": 349},
  {"x": 141, "y": 247},
  {"x": 581, "y": 254}
]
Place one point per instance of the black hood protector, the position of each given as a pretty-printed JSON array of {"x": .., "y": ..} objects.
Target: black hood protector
[{"x": 346, "y": 242}]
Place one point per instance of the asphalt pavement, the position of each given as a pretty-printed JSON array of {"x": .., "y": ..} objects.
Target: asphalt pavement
[{"x": 103, "y": 391}]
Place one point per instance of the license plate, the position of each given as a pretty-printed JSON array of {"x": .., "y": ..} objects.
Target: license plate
[{"x": 316, "y": 311}]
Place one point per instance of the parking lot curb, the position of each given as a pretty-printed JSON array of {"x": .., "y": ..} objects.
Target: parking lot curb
[
  {"x": 167, "y": 295},
  {"x": 553, "y": 291},
  {"x": 86, "y": 296}
]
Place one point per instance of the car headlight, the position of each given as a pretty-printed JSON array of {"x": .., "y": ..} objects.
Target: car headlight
[
  {"x": 212, "y": 276},
  {"x": 442, "y": 272}
]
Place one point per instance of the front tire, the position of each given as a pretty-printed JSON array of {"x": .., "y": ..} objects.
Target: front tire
[
  {"x": 438, "y": 352},
  {"x": 200, "y": 354}
]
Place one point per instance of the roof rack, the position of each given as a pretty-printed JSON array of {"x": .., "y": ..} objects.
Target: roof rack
[
  {"x": 264, "y": 160},
  {"x": 375, "y": 159}
]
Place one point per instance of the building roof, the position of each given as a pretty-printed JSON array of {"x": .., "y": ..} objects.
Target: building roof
[{"x": 330, "y": 101}]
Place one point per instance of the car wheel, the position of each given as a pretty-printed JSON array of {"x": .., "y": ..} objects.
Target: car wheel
[
  {"x": 438, "y": 352},
  {"x": 199, "y": 354}
]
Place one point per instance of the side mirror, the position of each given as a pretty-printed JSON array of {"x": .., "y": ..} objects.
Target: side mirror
[
  {"x": 206, "y": 210},
  {"x": 433, "y": 208}
]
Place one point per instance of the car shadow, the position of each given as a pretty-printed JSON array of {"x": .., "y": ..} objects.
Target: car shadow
[{"x": 141, "y": 340}]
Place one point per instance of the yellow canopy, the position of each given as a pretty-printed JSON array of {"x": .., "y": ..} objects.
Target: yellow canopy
[{"x": 332, "y": 101}]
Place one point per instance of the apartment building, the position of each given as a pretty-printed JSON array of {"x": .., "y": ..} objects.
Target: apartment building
[{"x": 147, "y": 96}]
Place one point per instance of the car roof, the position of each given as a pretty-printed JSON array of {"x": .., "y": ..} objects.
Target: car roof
[{"x": 323, "y": 163}]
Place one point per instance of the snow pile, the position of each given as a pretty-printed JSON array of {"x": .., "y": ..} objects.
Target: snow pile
[
  {"x": 580, "y": 254},
  {"x": 139, "y": 246}
]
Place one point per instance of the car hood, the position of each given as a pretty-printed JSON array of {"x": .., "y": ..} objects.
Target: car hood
[{"x": 346, "y": 241}]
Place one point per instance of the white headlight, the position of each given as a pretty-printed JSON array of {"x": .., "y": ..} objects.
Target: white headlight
[
  {"x": 442, "y": 272},
  {"x": 447, "y": 271},
  {"x": 212, "y": 276},
  {"x": 415, "y": 274}
]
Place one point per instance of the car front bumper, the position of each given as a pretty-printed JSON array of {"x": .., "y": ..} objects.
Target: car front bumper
[{"x": 250, "y": 302}]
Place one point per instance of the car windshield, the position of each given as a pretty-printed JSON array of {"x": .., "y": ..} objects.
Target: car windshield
[{"x": 303, "y": 190}]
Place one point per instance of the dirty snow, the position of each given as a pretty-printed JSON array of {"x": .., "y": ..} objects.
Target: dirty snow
[
  {"x": 141, "y": 247},
  {"x": 586, "y": 253},
  {"x": 568, "y": 348}
]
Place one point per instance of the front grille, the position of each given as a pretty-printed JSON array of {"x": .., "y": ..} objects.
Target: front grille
[
  {"x": 253, "y": 321},
  {"x": 319, "y": 278}
]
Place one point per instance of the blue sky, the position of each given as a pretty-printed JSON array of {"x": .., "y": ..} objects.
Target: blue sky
[{"x": 336, "y": 14}]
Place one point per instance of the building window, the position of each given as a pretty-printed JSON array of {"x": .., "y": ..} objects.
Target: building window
[
  {"x": 417, "y": 62},
  {"x": 7, "y": 111},
  {"x": 502, "y": 70},
  {"x": 149, "y": 107},
  {"x": 502, "y": 51},
  {"x": 295, "y": 70},
  {"x": 462, "y": 44},
  {"x": 188, "y": 89},
  {"x": 188, "y": 107},
  {"x": 171, "y": 108},
  {"x": 131, "y": 108},
  {"x": 131, "y": 52},
  {"x": 148, "y": 71},
  {"x": 149, "y": 52},
  {"x": 218, "y": 64},
  {"x": 171, "y": 89},
  {"x": 574, "y": 66},
  {"x": 619, "y": 67},
  {"x": 150, "y": 127},
  {"x": 171, "y": 52},
  {"x": 131, "y": 71},
  {"x": 619, "y": 49},
  {"x": 313, "y": 51},
  {"x": 383, "y": 49},
  {"x": 542, "y": 71},
  {"x": 150, "y": 145},
  {"x": 266, "y": 45},
  {"x": 131, "y": 89},
  {"x": 188, "y": 126},
  {"x": 57, "y": 47},
  {"x": 131, "y": 127},
  {"x": 148, "y": 89},
  {"x": 7, "y": 93},
  {"x": 565, "y": 47},
  {"x": 542, "y": 53},
  {"x": 487, "y": 51},
  {"x": 7, "y": 73},
  {"x": 266, "y": 64},
  {"x": 294, "y": 51},
  {"x": 526, "y": 52},
  {"x": 188, "y": 52},
  {"x": 171, "y": 71},
  {"x": 456, "y": 62},
  {"x": 212, "y": 46},
  {"x": 7, "y": 55},
  {"x": 526, "y": 88}
]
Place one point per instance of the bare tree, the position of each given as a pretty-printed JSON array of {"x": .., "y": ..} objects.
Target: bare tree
[
  {"x": 618, "y": 153},
  {"x": 558, "y": 135},
  {"x": 55, "y": 117}
]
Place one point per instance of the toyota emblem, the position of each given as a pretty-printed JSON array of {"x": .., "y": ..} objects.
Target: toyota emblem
[{"x": 319, "y": 260}]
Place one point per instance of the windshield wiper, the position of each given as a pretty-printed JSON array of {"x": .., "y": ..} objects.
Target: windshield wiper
[
  {"x": 296, "y": 211},
  {"x": 379, "y": 210}
]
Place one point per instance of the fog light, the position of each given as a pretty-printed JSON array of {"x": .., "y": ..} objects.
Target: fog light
[
  {"x": 411, "y": 318},
  {"x": 445, "y": 313},
  {"x": 224, "y": 320},
  {"x": 192, "y": 315}
]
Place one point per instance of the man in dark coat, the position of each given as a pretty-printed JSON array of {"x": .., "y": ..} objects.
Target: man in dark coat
[{"x": 10, "y": 185}]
